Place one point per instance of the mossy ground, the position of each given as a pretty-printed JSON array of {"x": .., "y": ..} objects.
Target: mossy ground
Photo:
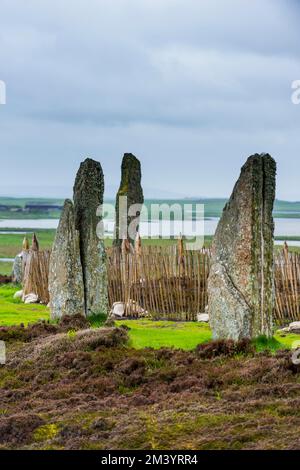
[{"x": 86, "y": 392}]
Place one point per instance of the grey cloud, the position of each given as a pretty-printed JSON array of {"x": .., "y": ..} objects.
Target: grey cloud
[{"x": 209, "y": 80}]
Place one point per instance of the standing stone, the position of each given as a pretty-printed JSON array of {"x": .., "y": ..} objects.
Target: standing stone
[
  {"x": 17, "y": 271},
  {"x": 20, "y": 262},
  {"x": 65, "y": 272},
  {"x": 241, "y": 281},
  {"x": 88, "y": 196},
  {"x": 130, "y": 187}
]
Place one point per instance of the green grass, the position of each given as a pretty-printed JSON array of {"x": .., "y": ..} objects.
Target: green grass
[
  {"x": 14, "y": 312},
  {"x": 158, "y": 334},
  {"x": 288, "y": 341},
  {"x": 143, "y": 333},
  {"x": 11, "y": 244},
  {"x": 97, "y": 321},
  {"x": 8, "y": 215},
  {"x": 5, "y": 268},
  {"x": 22, "y": 201}
]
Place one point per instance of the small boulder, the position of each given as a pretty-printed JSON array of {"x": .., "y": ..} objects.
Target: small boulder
[
  {"x": 132, "y": 308},
  {"x": 118, "y": 310},
  {"x": 18, "y": 294},
  {"x": 203, "y": 317},
  {"x": 31, "y": 299},
  {"x": 294, "y": 327}
]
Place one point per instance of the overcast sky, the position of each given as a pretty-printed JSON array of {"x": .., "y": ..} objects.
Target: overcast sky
[{"x": 191, "y": 87}]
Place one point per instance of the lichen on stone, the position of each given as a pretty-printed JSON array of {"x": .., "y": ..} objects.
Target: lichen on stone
[
  {"x": 131, "y": 188},
  {"x": 241, "y": 281}
]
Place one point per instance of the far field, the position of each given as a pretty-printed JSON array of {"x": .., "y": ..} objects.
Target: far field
[{"x": 213, "y": 206}]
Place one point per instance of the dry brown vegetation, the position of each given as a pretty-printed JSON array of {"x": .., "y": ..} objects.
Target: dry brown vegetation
[{"x": 88, "y": 390}]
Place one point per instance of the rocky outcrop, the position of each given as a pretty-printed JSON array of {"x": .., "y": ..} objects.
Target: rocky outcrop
[
  {"x": 293, "y": 327},
  {"x": 88, "y": 196},
  {"x": 130, "y": 188},
  {"x": 65, "y": 273},
  {"x": 241, "y": 280}
]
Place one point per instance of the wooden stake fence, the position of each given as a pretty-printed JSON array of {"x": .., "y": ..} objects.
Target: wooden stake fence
[
  {"x": 164, "y": 282},
  {"x": 170, "y": 283},
  {"x": 36, "y": 274},
  {"x": 287, "y": 286}
]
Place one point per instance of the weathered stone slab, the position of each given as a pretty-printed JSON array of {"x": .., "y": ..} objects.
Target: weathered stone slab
[
  {"x": 203, "y": 317},
  {"x": 18, "y": 269},
  {"x": 65, "y": 272},
  {"x": 241, "y": 281},
  {"x": 88, "y": 196},
  {"x": 130, "y": 188}
]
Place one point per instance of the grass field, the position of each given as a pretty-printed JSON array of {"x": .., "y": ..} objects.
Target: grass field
[
  {"x": 158, "y": 334},
  {"x": 21, "y": 202},
  {"x": 11, "y": 244},
  {"x": 14, "y": 312},
  {"x": 143, "y": 333},
  {"x": 213, "y": 206},
  {"x": 5, "y": 268}
]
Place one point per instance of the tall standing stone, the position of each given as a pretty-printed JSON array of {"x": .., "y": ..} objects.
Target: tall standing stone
[
  {"x": 18, "y": 271},
  {"x": 20, "y": 262},
  {"x": 65, "y": 272},
  {"x": 88, "y": 196},
  {"x": 130, "y": 187},
  {"x": 241, "y": 281}
]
